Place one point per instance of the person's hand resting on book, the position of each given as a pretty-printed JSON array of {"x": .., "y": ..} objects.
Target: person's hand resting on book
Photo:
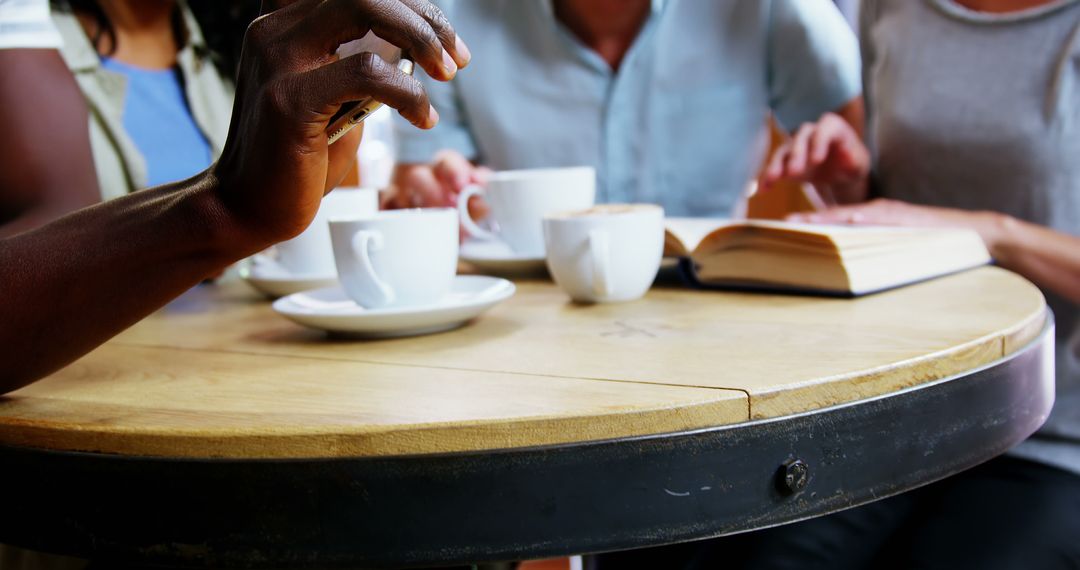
[
  {"x": 1048, "y": 258},
  {"x": 828, "y": 154},
  {"x": 991, "y": 226}
]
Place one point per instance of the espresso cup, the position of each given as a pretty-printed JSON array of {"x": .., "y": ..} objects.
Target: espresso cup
[
  {"x": 311, "y": 253},
  {"x": 519, "y": 200},
  {"x": 606, "y": 253},
  {"x": 397, "y": 258}
]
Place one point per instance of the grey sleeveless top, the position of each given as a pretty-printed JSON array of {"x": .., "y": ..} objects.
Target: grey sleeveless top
[{"x": 982, "y": 112}]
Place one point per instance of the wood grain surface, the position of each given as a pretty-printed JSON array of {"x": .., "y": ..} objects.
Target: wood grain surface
[{"x": 218, "y": 374}]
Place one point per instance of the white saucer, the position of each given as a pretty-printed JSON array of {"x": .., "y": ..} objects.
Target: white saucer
[
  {"x": 332, "y": 310},
  {"x": 497, "y": 257},
  {"x": 275, "y": 281}
]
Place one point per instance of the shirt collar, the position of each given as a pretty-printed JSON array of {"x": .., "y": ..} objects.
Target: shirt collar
[{"x": 549, "y": 6}]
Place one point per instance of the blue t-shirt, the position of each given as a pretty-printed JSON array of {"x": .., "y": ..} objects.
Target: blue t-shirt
[
  {"x": 682, "y": 123},
  {"x": 159, "y": 122}
]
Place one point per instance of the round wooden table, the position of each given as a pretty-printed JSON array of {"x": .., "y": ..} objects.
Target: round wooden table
[{"x": 216, "y": 433}]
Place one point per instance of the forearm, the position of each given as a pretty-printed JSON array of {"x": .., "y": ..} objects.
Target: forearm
[
  {"x": 72, "y": 284},
  {"x": 1048, "y": 258},
  {"x": 40, "y": 215},
  {"x": 80, "y": 280}
]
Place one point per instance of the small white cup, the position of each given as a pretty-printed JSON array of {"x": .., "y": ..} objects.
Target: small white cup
[
  {"x": 607, "y": 253},
  {"x": 397, "y": 258},
  {"x": 310, "y": 253},
  {"x": 520, "y": 199}
]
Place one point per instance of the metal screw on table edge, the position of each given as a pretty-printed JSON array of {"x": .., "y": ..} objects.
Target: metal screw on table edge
[{"x": 794, "y": 476}]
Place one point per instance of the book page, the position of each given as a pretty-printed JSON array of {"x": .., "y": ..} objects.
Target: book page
[
  {"x": 840, "y": 259},
  {"x": 843, "y": 238},
  {"x": 687, "y": 233}
]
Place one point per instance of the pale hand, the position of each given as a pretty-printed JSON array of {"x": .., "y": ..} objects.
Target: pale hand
[
  {"x": 439, "y": 184},
  {"x": 884, "y": 212},
  {"x": 828, "y": 154}
]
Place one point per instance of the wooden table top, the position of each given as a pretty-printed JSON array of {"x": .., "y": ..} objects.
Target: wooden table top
[{"x": 218, "y": 374}]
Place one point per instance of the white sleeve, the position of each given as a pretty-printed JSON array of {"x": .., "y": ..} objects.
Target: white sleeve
[{"x": 27, "y": 24}]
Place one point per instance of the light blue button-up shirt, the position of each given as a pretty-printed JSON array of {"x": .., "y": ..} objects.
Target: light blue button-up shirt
[{"x": 682, "y": 123}]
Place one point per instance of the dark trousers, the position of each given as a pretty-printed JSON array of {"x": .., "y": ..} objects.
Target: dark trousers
[{"x": 1007, "y": 514}]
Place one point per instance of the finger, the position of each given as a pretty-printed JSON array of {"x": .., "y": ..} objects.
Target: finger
[
  {"x": 335, "y": 22},
  {"x": 342, "y": 157},
  {"x": 454, "y": 171},
  {"x": 361, "y": 76},
  {"x": 424, "y": 190},
  {"x": 478, "y": 208},
  {"x": 854, "y": 156},
  {"x": 274, "y": 17},
  {"x": 775, "y": 170},
  {"x": 449, "y": 39},
  {"x": 402, "y": 25},
  {"x": 481, "y": 175},
  {"x": 795, "y": 165},
  {"x": 824, "y": 138},
  {"x": 389, "y": 199}
]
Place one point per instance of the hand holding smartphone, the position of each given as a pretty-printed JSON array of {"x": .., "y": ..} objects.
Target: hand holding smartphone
[{"x": 354, "y": 113}]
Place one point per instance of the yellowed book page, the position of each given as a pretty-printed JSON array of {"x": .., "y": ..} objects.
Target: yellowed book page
[
  {"x": 867, "y": 240},
  {"x": 765, "y": 234},
  {"x": 683, "y": 235},
  {"x": 830, "y": 238},
  {"x": 918, "y": 260},
  {"x": 773, "y": 267},
  {"x": 897, "y": 262},
  {"x": 842, "y": 236}
]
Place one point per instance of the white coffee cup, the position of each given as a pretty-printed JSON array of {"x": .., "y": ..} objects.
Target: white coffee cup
[
  {"x": 397, "y": 258},
  {"x": 519, "y": 200},
  {"x": 607, "y": 253},
  {"x": 310, "y": 253}
]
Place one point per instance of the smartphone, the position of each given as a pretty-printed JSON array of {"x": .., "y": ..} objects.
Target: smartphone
[{"x": 354, "y": 113}]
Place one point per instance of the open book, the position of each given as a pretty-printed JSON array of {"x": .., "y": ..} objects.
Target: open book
[{"x": 831, "y": 260}]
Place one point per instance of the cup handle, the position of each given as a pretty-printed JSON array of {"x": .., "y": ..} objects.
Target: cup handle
[
  {"x": 471, "y": 226},
  {"x": 363, "y": 243},
  {"x": 266, "y": 257},
  {"x": 599, "y": 251}
]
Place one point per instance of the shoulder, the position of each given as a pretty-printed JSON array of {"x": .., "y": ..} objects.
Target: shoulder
[
  {"x": 813, "y": 29},
  {"x": 26, "y": 24},
  {"x": 819, "y": 23}
]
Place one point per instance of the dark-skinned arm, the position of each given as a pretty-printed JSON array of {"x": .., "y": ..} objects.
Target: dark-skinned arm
[
  {"x": 46, "y": 169},
  {"x": 73, "y": 284}
]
